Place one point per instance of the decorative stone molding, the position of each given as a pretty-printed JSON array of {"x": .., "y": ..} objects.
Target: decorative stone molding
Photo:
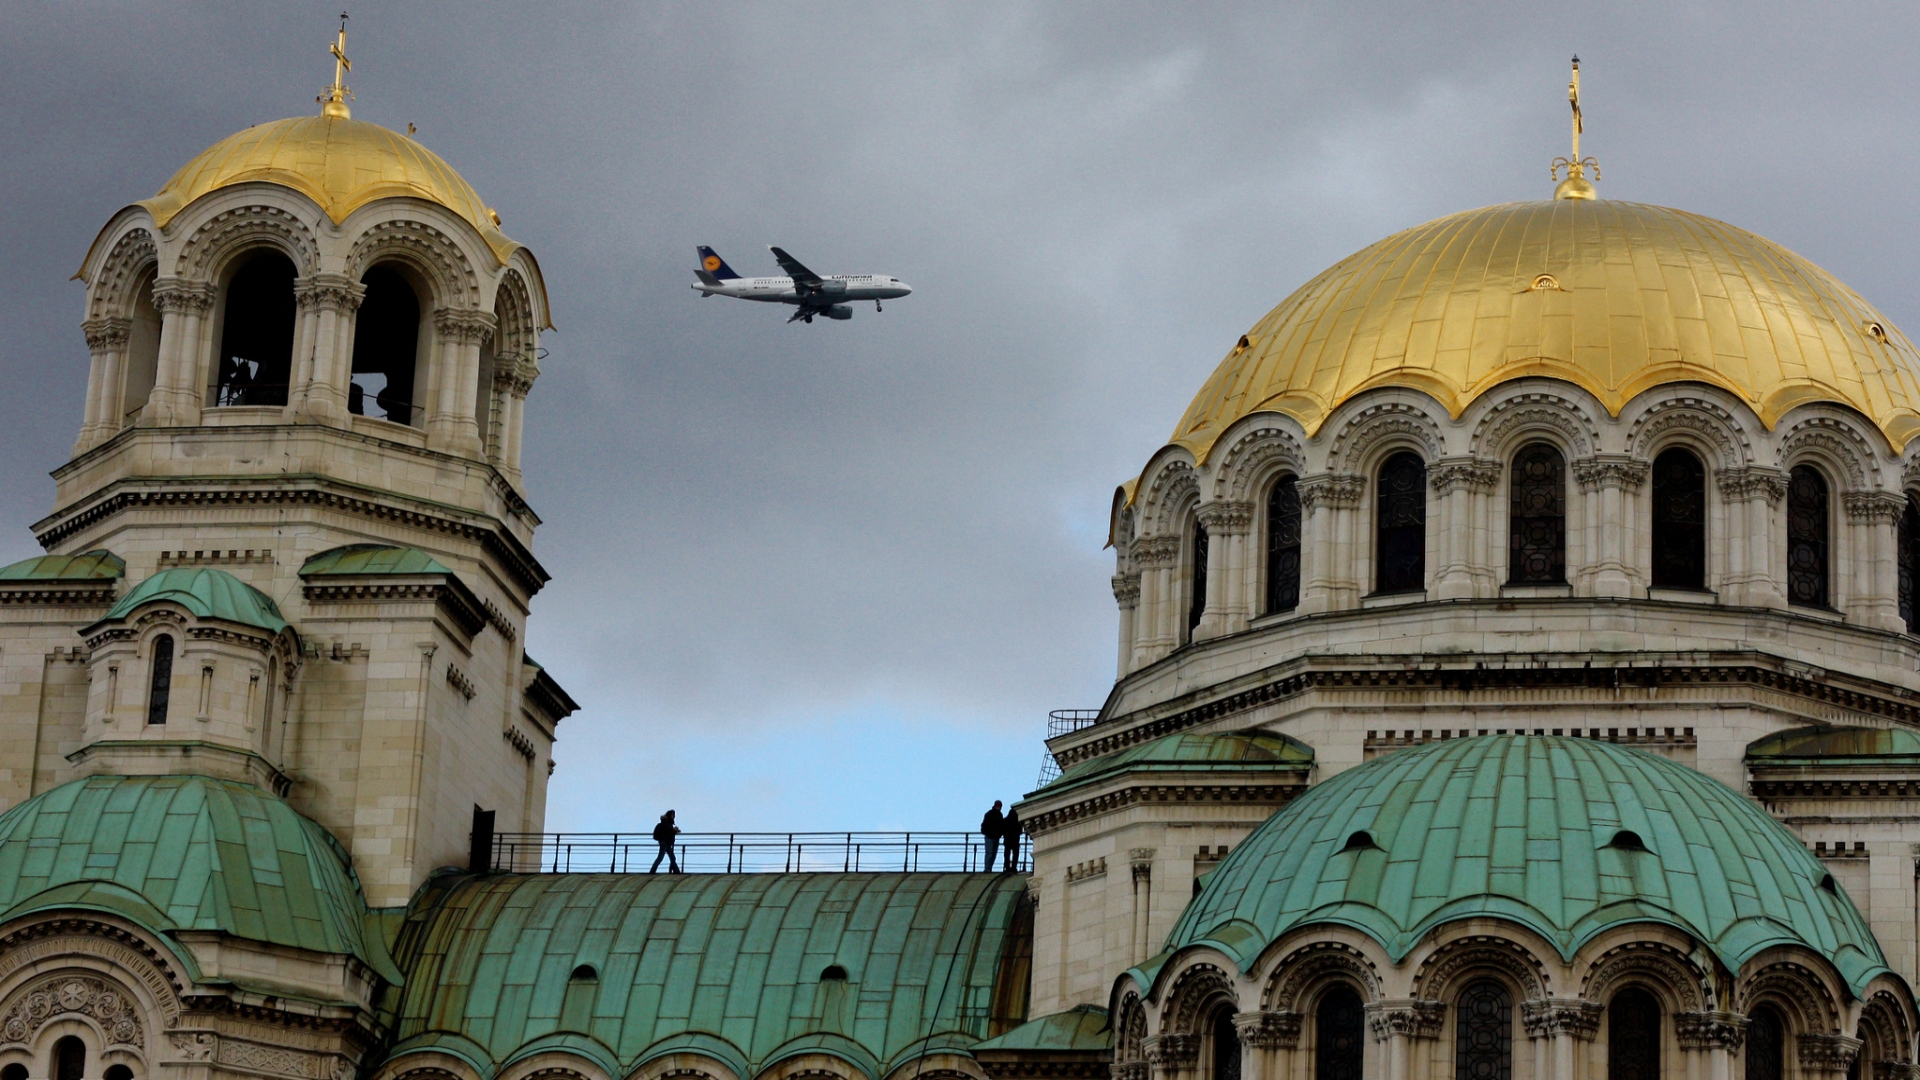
[
  {"x": 1194, "y": 992},
  {"x": 106, "y": 1004},
  {"x": 1174, "y": 1050},
  {"x": 1128, "y": 1070},
  {"x": 1709, "y": 1030},
  {"x": 1895, "y": 1070},
  {"x": 1702, "y": 418},
  {"x": 1226, "y": 518},
  {"x": 1662, "y": 965},
  {"x": 1141, "y": 859},
  {"x": 275, "y": 1059},
  {"x": 1839, "y": 442},
  {"x": 468, "y": 326},
  {"x": 1410, "y": 1017},
  {"x": 1553, "y": 1017},
  {"x": 243, "y": 227},
  {"x": 107, "y": 333},
  {"x": 427, "y": 249},
  {"x": 1622, "y": 471},
  {"x": 176, "y": 294},
  {"x": 1385, "y": 422},
  {"x": 1331, "y": 489},
  {"x": 1456, "y": 958},
  {"x": 1826, "y": 1052},
  {"x": 1463, "y": 474},
  {"x": 1126, "y": 589},
  {"x": 194, "y": 1045},
  {"x": 111, "y": 284},
  {"x": 1498, "y": 429},
  {"x": 1268, "y": 1030},
  {"x": 1874, "y": 507},
  {"x": 1266, "y": 795},
  {"x": 1245, "y": 465},
  {"x": 328, "y": 292},
  {"x": 1153, "y": 552},
  {"x": 67, "y": 939},
  {"x": 1313, "y": 965},
  {"x": 1754, "y": 481}
]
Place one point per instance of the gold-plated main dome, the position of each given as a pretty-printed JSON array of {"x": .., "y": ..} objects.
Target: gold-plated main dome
[
  {"x": 1614, "y": 297},
  {"x": 339, "y": 163}
]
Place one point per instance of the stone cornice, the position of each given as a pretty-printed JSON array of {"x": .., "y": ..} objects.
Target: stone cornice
[
  {"x": 457, "y": 601},
  {"x": 1264, "y": 793},
  {"x": 56, "y": 594}
]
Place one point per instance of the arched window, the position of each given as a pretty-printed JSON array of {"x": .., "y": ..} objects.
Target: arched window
[
  {"x": 1633, "y": 1036},
  {"x": 143, "y": 354},
  {"x": 15, "y": 1071},
  {"x": 1226, "y": 1047},
  {"x": 1337, "y": 1030},
  {"x": 1906, "y": 557},
  {"x": 118, "y": 1072},
  {"x": 161, "y": 686},
  {"x": 1283, "y": 546},
  {"x": 1400, "y": 525},
  {"x": 1807, "y": 537},
  {"x": 256, "y": 335},
  {"x": 1766, "y": 1044},
  {"x": 1537, "y": 517},
  {"x": 1679, "y": 521},
  {"x": 386, "y": 339},
  {"x": 1198, "y": 589},
  {"x": 69, "y": 1059},
  {"x": 1483, "y": 1039}
]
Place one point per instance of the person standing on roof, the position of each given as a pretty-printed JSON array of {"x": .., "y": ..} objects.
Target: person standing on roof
[
  {"x": 1010, "y": 831},
  {"x": 663, "y": 834},
  {"x": 992, "y": 828}
]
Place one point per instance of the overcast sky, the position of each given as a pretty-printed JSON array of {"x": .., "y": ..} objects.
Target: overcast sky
[{"x": 834, "y": 576}]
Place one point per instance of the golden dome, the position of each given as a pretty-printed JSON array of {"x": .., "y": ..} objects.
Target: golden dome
[
  {"x": 339, "y": 163},
  {"x": 1615, "y": 297}
]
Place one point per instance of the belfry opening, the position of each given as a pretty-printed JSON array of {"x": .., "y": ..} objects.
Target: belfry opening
[
  {"x": 386, "y": 343},
  {"x": 256, "y": 332}
]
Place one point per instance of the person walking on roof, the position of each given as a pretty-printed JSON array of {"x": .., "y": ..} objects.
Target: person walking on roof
[
  {"x": 1010, "y": 831},
  {"x": 663, "y": 835},
  {"x": 992, "y": 828}
]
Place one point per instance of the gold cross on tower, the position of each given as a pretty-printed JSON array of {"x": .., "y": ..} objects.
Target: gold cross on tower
[
  {"x": 333, "y": 100},
  {"x": 1575, "y": 186}
]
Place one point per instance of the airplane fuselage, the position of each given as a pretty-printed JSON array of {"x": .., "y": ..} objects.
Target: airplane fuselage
[{"x": 838, "y": 289}]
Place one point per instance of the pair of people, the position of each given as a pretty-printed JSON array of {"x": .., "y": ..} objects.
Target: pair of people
[{"x": 1002, "y": 831}]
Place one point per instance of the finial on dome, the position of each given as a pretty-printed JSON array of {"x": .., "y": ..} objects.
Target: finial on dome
[
  {"x": 333, "y": 100},
  {"x": 1575, "y": 186}
]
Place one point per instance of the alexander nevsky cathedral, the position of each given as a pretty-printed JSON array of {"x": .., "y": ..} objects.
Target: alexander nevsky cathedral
[{"x": 1519, "y": 678}]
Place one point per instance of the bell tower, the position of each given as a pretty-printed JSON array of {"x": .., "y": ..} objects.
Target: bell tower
[{"x": 292, "y": 548}]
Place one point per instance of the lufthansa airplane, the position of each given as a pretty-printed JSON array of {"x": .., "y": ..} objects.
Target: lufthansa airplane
[{"x": 809, "y": 292}]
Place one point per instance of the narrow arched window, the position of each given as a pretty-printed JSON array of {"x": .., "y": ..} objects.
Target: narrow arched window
[
  {"x": 1483, "y": 1038},
  {"x": 1807, "y": 537},
  {"x": 14, "y": 1071},
  {"x": 1906, "y": 557},
  {"x": 1226, "y": 1047},
  {"x": 1679, "y": 521},
  {"x": 386, "y": 336},
  {"x": 1283, "y": 546},
  {"x": 1537, "y": 517},
  {"x": 1766, "y": 1044},
  {"x": 1337, "y": 1031},
  {"x": 1198, "y": 588},
  {"x": 143, "y": 355},
  {"x": 160, "y": 688},
  {"x": 256, "y": 333},
  {"x": 69, "y": 1059},
  {"x": 1400, "y": 525},
  {"x": 1633, "y": 1036}
]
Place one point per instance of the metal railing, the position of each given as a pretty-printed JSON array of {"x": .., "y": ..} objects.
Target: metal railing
[
  {"x": 1063, "y": 722},
  {"x": 747, "y": 853},
  {"x": 232, "y": 394}
]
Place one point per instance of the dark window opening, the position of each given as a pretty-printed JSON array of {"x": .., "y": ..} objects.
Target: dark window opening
[
  {"x": 1633, "y": 1036},
  {"x": 143, "y": 354},
  {"x": 1337, "y": 1041},
  {"x": 1483, "y": 1041},
  {"x": 1537, "y": 517},
  {"x": 386, "y": 337},
  {"x": 1283, "y": 546},
  {"x": 1198, "y": 606},
  {"x": 15, "y": 1071},
  {"x": 1827, "y": 883},
  {"x": 1400, "y": 527},
  {"x": 1766, "y": 1041},
  {"x": 1807, "y": 537},
  {"x": 1679, "y": 521},
  {"x": 119, "y": 1072},
  {"x": 585, "y": 973},
  {"x": 256, "y": 336},
  {"x": 69, "y": 1059},
  {"x": 1359, "y": 841},
  {"x": 833, "y": 971},
  {"x": 1628, "y": 840},
  {"x": 1226, "y": 1047},
  {"x": 162, "y": 685},
  {"x": 1909, "y": 537}
]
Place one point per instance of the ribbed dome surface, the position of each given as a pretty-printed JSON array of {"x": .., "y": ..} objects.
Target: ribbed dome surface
[
  {"x": 1634, "y": 296},
  {"x": 1526, "y": 828}
]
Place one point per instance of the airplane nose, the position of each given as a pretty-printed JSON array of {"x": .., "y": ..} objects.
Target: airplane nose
[{"x": 905, "y": 289}]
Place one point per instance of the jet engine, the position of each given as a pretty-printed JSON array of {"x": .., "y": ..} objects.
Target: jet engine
[{"x": 839, "y": 311}]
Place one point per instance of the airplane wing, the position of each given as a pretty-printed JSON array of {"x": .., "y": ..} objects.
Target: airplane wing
[{"x": 804, "y": 280}]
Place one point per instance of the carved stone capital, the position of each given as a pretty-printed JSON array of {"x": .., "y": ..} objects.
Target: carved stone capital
[
  {"x": 1126, "y": 589},
  {"x": 1551, "y": 1017},
  {"x": 1141, "y": 859},
  {"x": 1622, "y": 471},
  {"x": 1153, "y": 552},
  {"x": 1875, "y": 507},
  {"x": 1226, "y": 518},
  {"x": 468, "y": 326},
  {"x": 1462, "y": 474},
  {"x": 1833, "y": 1053},
  {"x": 1331, "y": 489},
  {"x": 1709, "y": 1030},
  {"x": 109, "y": 333},
  {"x": 1176, "y": 1050},
  {"x": 188, "y": 297},
  {"x": 1128, "y": 1070},
  {"x": 1895, "y": 1070},
  {"x": 1268, "y": 1030},
  {"x": 1410, "y": 1017},
  {"x": 328, "y": 292},
  {"x": 1754, "y": 482}
]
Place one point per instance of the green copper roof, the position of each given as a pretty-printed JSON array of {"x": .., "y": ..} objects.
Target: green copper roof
[
  {"x": 1235, "y": 751},
  {"x": 96, "y": 565},
  {"x": 1829, "y": 742},
  {"x": 1527, "y": 828},
  {"x": 183, "y": 853},
  {"x": 728, "y": 964},
  {"x": 1081, "y": 1028},
  {"x": 208, "y": 593},
  {"x": 372, "y": 559}
]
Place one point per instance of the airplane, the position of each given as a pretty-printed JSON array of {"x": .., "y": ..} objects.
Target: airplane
[{"x": 808, "y": 291}]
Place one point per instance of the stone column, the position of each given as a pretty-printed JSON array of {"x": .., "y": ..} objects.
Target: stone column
[
  {"x": 1397, "y": 1024},
  {"x": 1710, "y": 1040},
  {"x": 519, "y": 385},
  {"x": 1157, "y": 557},
  {"x": 1874, "y": 591},
  {"x": 451, "y": 425},
  {"x": 1141, "y": 860},
  {"x": 320, "y": 377},
  {"x": 1126, "y": 593},
  {"x": 1461, "y": 486},
  {"x": 1557, "y": 1027},
  {"x": 1826, "y": 1057},
  {"x": 1271, "y": 1040},
  {"x": 1172, "y": 1056},
  {"x": 107, "y": 341},
  {"x": 1226, "y": 524},
  {"x": 1755, "y": 576},
  {"x": 177, "y": 385},
  {"x": 1609, "y": 481},
  {"x": 1328, "y": 502}
]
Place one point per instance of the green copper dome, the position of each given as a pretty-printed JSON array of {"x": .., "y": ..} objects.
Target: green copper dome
[
  {"x": 1567, "y": 837},
  {"x": 210, "y": 594}
]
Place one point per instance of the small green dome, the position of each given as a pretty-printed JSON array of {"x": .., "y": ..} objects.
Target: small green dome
[
  {"x": 208, "y": 593},
  {"x": 96, "y": 565},
  {"x": 371, "y": 559},
  {"x": 1827, "y": 743},
  {"x": 1565, "y": 836}
]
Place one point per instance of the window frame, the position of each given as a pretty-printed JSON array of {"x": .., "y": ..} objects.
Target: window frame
[{"x": 1417, "y": 582}]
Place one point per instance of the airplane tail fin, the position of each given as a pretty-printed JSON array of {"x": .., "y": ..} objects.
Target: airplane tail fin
[{"x": 711, "y": 264}]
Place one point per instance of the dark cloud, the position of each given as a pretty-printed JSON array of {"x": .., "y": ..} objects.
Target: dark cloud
[{"x": 834, "y": 575}]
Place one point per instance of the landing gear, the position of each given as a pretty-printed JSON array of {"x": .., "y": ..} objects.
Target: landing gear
[{"x": 876, "y": 305}]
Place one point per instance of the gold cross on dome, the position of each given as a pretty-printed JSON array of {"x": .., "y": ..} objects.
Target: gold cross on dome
[
  {"x": 1575, "y": 186},
  {"x": 333, "y": 100}
]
